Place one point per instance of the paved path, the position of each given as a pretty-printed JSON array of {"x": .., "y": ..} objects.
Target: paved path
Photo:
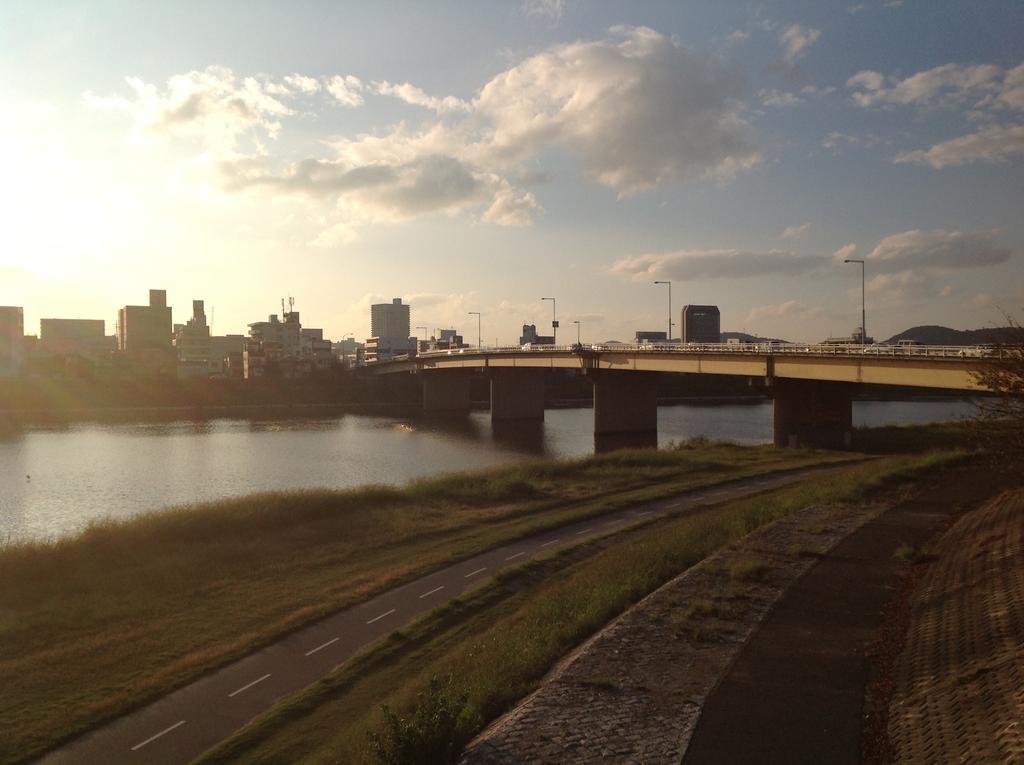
[
  {"x": 796, "y": 692},
  {"x": 187, "y": 722}
]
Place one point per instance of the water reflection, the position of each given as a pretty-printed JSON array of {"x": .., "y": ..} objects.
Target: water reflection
[
  {"x": 84, "y": 471},
  {"x": 522, "y": 436}
]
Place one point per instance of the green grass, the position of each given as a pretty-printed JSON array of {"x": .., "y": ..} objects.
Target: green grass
[
  {"x": 498, "y": 642},
  {"x": 95, "y": 625}
]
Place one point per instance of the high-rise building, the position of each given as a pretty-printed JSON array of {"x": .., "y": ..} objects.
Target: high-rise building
[
  {"x": 701, "y": 324},
  {"x": 12, "y": 340},
  {"x": 389, "y": 332},
  {"x": 390, "y": 320},
  {"x": 83, "y": 338},
  {"x": 192, "y": 343},
  {"x": 142, "y": 328}
]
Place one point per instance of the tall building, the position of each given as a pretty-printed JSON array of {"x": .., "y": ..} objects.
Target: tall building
[
  {"x": 390, "y": 320},
  {"x": 701, "y": 324},
  {"x": 12, "y": 340},
  {"x": 85, "y": 338},
  {"x": 530, "y": 336},
  {"x": 192, "y": 343},
  {"x": 287, "y": 334},
  {"x": 142, "y": 328},
  {"x": 389, "y": 332}
]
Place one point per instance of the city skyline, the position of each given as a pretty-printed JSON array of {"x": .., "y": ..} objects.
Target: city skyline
[{"x": 346, "y": 156}]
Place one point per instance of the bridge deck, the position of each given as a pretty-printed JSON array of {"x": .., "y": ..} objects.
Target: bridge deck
[{"x": 921, "y": 366}]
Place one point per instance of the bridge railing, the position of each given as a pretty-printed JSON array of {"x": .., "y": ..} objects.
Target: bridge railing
[{"x": 786, "y": 349}]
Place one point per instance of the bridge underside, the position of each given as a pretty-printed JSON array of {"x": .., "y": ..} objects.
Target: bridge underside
[{"x": 813, "y": 394}]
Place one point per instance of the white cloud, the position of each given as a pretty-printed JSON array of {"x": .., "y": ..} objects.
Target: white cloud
[
  {"x": 637, "y": 109},
  {"x": 412, "y": 95},
  {"x": 815, "y": 90},
  {"x": 302, "y": 83},
  {"x": 346, "y": 90},
  {"x": 737, "y": 36},
  {"x": 712, "y": 264},
  {"x": 796, "y": 40},
  {"x": 212, "y": 105},
  {"x": 790, "y": 309},
  {"x": 552, "y": 9},
  {"x": 836, "y": 142},
  {"x": 511, "y": 207},
  {"x": 796, "y": 232},
  {"x": 1012, "y": 94},
  {"x": 844, "y": 252},
  {"x": 991, "y": 144},
  {"x": 778, "y": 98},
  {"x": 945, "y": 85},
  {"x": 937, "y": 249},
  {"x": 335, "y": 236}
]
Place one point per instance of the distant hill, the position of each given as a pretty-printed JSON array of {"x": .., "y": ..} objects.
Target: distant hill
[
  {"x": 743, "y": 337},
  {"x": 935, "y": 335}
]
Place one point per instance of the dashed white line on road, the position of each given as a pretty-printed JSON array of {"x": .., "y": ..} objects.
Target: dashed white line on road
[
  {"x": 436, "y": 589},
  {"x": 474, "y": 573},
  {"x": 151, "y": 739},
  {"x": 248, "y": 685},
  {"x": 645, "y": 512},
  {"x": 513, "y": 557},
  {"x": 378, "y": 618},
  {"x": 332, "y": 641},
  {"x": 545, "y": 544},
  {"x": 585, "y": 531},
  {"x": 674, "y": 505}
]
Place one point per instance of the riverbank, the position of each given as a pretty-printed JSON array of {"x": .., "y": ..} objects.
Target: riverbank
[
  {"x": 494, "y": 647},
  {"x": 151, "y": 603}
]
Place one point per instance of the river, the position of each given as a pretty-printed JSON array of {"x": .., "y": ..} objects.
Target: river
[{"x": 56, "y": 480}]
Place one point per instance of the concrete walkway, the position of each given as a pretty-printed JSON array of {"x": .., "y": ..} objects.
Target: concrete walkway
[{"x": 796, "y": 692}]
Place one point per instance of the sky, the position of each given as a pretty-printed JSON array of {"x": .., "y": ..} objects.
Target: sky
[{"x": 478, "y": 156}]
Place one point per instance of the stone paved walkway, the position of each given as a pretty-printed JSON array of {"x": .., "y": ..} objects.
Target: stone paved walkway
[{"x": 633, "y": 692}]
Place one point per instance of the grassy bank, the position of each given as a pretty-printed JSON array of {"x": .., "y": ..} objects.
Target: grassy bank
[
  {"x": 94, "y": 625},
  {"x": 500, "y": 641}
]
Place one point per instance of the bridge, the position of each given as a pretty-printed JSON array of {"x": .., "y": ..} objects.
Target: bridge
[{"x": 812, "y": 385}]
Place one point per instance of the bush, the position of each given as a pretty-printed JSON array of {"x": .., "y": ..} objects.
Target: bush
[{"x": 433, "y": 735}]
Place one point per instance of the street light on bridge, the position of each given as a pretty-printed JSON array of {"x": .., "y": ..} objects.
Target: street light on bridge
[
  {"x": 554, "y": 322},
  {"x": 577, "y": 323},
  {"x": 863, "y": 318},
  {"x": 477, "y": 314},
  {"x": 669, "y": 306}
]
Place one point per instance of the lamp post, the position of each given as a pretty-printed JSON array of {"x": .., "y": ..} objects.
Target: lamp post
[
  {"x": 669, "y": 307},
  {"x": 554, "y": 322},
  {"x": 477, "y": 314},
  {"x": 863, "y": 315},
  {"x": 577, "y": 323}
]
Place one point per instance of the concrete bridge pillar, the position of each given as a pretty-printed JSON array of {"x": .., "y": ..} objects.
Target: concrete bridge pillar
[
  {"x": 517, "y": 394},
  {"x": 813, "y": 413},
  {"x": 625, "y": 409},
  {"x": 446, "y": 391}
]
